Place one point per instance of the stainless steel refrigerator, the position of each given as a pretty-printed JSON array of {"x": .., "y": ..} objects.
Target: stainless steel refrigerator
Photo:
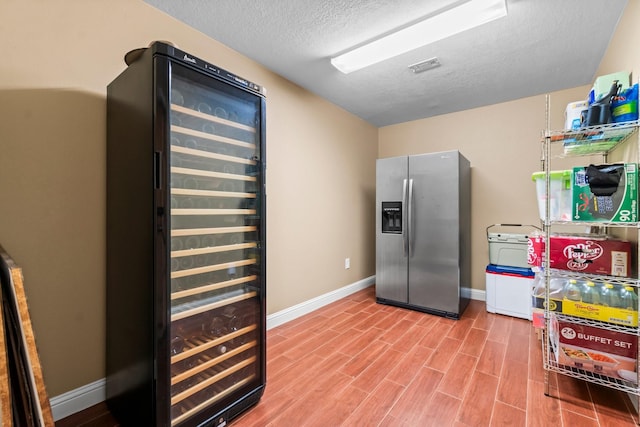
[
  {"x": 185, "y": 241},
  {"x": 423, "y": 222}
]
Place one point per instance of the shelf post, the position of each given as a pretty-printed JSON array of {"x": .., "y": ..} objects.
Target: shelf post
[{"x": 547, "y": 242}]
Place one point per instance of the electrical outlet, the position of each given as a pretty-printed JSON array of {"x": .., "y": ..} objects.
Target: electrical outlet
[{"x": 347, "y": 263}]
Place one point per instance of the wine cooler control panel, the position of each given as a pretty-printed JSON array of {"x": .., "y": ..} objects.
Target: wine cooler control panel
[{"x": 194, "y": 61}]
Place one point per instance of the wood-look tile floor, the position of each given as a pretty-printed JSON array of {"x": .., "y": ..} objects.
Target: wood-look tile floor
[{"x": 359, "y": 363}]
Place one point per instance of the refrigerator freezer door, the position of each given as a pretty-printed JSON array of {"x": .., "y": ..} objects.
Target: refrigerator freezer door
[
  {"x": 434, "y": 232},
  {"x": 391, "y": 252}
]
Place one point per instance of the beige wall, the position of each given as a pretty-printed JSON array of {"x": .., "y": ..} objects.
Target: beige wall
[
  {"x": 58, "y": 58},
  {"x": 622, "y": 55},
  {"x": 502, "y": 142}
]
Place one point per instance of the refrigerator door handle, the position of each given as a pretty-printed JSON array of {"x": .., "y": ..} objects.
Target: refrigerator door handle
[
  {"x": 409, "y": 217},
  {"x": 404, "y": 217}
]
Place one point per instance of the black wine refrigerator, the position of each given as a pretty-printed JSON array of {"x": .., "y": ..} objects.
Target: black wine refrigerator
[{"x": 186, "y": 266}]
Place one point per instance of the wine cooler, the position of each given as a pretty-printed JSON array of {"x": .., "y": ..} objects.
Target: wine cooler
[{"x": 185, "y": 241}]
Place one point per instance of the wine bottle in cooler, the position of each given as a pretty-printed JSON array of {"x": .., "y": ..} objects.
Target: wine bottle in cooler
[
  {"x": 176, "y": 181},
  {"x": 191, "y": 143},
  {"x": 186, "y": 203},
  {"x": 221, "y": 112},
  {"x": 209, "y": 240},
  {"x": 231, "y": 315},
  {"x": 231, "y": 168},
  {"x": 203, "y": 203},
  {"x": 209, "y": 128},
  {"x": 176, "y": 97},
  {"x": 229, "y": 186},
  {"x": 177, "y": 344},
  {"x": 175, "y": 264},
  {"x": 217, "y": 326},
  {"x": 246, "y": 319},
  {"x": 204, "y": 108},
  {"x": 192, "y": 242}
]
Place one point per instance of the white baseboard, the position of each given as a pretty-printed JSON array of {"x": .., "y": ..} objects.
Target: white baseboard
[
  {"x": 78, "y": 399},
  {"x": 91, "y": 394},
  {"x": 288, "y": 314},
  {"x": 478, "y": 295}
]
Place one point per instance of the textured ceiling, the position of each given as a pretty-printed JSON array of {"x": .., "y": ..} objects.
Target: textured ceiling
[{"x": 541, "y": 46}]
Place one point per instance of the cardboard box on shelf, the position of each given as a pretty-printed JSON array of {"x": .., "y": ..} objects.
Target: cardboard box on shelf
[
  {"x": 598, "y": 350},
  {"x": 605, "y": 193},
  {"x": 584, "y": 253},
  {"x": 559, "y": 303},
  {"x": 618, "y": 316}
]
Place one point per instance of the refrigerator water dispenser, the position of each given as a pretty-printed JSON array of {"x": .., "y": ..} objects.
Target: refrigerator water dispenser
[{"x": 392, "y": 217}]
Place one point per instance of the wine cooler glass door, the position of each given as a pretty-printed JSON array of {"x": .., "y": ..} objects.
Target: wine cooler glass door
[{"x": 216, "y": 241}]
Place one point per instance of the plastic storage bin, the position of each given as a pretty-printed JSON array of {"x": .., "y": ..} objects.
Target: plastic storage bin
[{"x": 559, "y": 194}]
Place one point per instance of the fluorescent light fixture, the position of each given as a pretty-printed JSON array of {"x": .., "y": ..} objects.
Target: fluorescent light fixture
[{"x": 465, "y": 16}]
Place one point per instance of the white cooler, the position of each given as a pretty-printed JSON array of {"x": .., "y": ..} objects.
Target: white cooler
[
  {"x": 509, "y": 249},
  {"x": 508, "y": 290}
]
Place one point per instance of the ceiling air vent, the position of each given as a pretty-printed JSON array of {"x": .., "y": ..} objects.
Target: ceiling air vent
[{"x": 425, "y": 65}]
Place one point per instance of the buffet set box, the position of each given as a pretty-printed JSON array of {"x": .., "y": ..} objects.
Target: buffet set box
[{"x": 593, "y": 349}]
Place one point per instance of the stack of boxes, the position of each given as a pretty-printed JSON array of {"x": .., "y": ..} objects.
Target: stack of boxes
[
  {"x": 509, "y": 278},
  {"x": 582, "y": 254},
  {"x": 602, "y": 193}
]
